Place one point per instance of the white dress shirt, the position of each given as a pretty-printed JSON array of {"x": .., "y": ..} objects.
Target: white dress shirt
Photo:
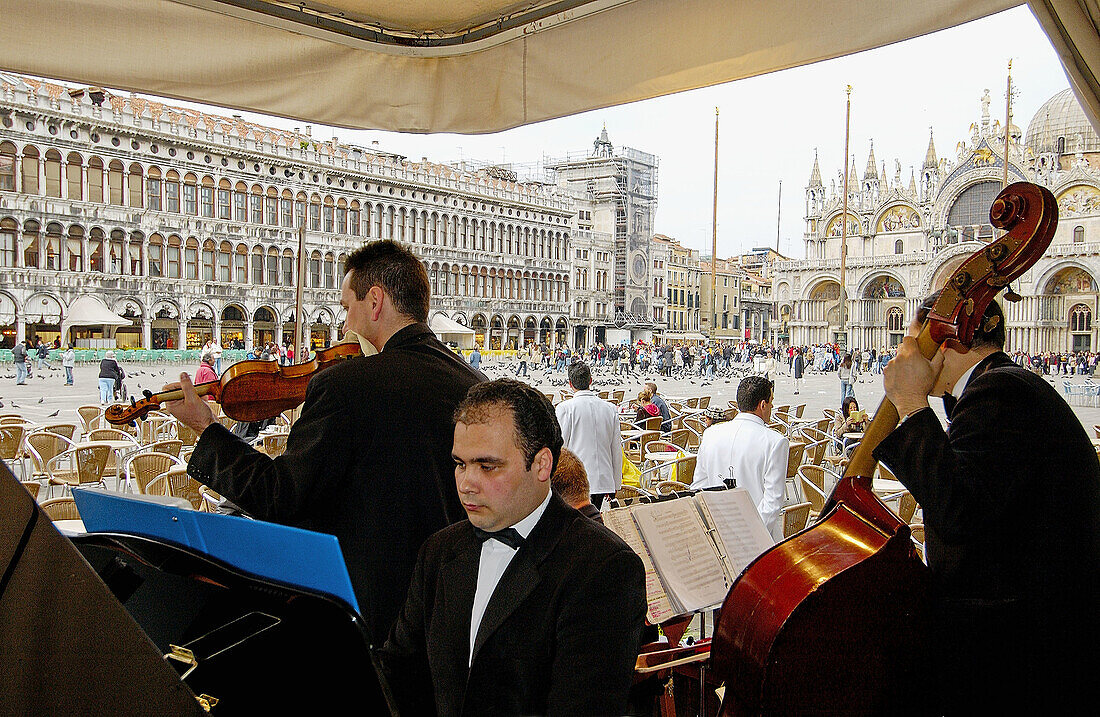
[
  {"x": 590, "y": 428},
  {"x": 758, "y": 457},
  {"x": 495, "y": 558}
]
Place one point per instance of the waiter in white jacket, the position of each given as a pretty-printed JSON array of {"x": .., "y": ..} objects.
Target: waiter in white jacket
[
  {"x": 756, "y": 454},
  {"x": 590, "y": 428}
]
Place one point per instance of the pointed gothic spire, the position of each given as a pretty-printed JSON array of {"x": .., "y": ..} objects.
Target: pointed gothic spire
[
  {"x": 930, "y": 160},
  {"x": 912, "y": 182},
  {"x": 853, "y": 178},
  {"x": 872, "y": 171},
  {"x": 815, "y": 174}
]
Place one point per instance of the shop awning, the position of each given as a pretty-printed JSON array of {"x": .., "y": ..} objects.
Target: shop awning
[{"x": 90, "y": 311}]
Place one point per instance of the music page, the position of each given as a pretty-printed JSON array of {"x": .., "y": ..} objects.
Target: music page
[
  {"x": 683, "y": 553},
  {"x": 741, "y": 532},
  {"x": 621, "y": 522}
]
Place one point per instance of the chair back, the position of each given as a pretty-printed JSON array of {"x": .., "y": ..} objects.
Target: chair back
[
  {"x": 653, "y": 423},
  {"x": 181, "y": 485},
  {"x": 11, "y": 441},
  {"x": 170, "y": 446},
  {"x": 627, "y": 494},
  {"x": 187, "y": 435},
  {"x": 799, "y": 409},
  {"x": 42, "y": 447},
  {"x": 274, "y": 444},
  {"x": 704, "y": 402},
  {"x": 795, "y": 518},
  {"x": 61, "y": 509},
  {"x": 815, "y": 451},
  {"x": 32, "y": 486},
  {"x": 62, "y": 429},
  {"x": 813, "y": 493},
  {"x": 210, "y": 499},
  {"x": 618, "y": 396},
  {"x": 634, "y": 446},
  {"x": 141, "y": 468},
  {"x": 110, "y": 434},
  {"x": 692, "y": 402},
  {"x": 682, "y": 438},
  {"x": 685, "y": 469},
  {"x": 907, "y": 506},
  {"x": 917, "y": 534},
  {"x": 666, "y": 487}
]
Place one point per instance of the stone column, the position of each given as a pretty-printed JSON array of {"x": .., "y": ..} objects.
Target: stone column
[
  {"x": 146, "y": 332},
  {"x": 181, "y": 338}
]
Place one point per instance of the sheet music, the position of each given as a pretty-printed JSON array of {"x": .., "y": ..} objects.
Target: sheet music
[
  {"x": 621, "y": 522},
  {"x": 739, "y": 526},
  {"x": 686, "y": 558}
]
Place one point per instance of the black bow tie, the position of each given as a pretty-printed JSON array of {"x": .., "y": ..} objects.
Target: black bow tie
[
  {"x": 949, "y": 402},
  {"x": 508, "y": 536}
]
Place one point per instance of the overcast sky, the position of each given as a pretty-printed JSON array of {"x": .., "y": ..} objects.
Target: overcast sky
[{"x": 771, "y": 125}]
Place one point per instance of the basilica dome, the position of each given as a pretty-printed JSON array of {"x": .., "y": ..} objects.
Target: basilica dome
[{"x": 1057, "y": 125}]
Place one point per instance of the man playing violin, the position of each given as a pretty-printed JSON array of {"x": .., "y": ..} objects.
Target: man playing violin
[
  {"x": 1010, "y": 495},
  {"x": 369, "y": 459}
]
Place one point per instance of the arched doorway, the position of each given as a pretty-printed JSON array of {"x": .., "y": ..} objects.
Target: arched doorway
[
  {"x": 43, "y": 314},
  {"x": 544, "y": 330},
  {"x": 320, "y": 331},
  {"x": 263, "y": 327},
  {"x": 496, "y": 332},
  {"x": 233, "y": 327},
  {"x": 200, "y": 327},
  {"x": 479, "y": 325},
  {"x": 165, "y": 327},
  {"x": 1066, "y": 306},
  {"x": 530, "y": 330},
  {"x": 7, "y": 321},
  {"x": 561, "y": 331},
  {"x": 128, "y": 337}
]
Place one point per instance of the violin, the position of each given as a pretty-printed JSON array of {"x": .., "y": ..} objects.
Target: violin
[
  {"x": 834, "y": 619},
  {"x": 248, "y": 390}
]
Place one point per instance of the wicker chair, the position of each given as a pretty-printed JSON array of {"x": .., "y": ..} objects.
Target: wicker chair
[
  {"x": 91, "y": 417},
  {"x": 210, "y": 499},
  {"x": 684, "y": 467},
  {"x": 906, "y": 505},
  {"x": 618, "y": 396},
  {"x": 157, "y": 486},
  {"x": 627, "y": 494},
  {"x": 799, "y": 409},
  {"x": 181, "y": 485},
  {"x": 633, "y": 447},
  {"x": 142, "y": 468},
  {"x": 41, "y": 447},
  {"x": 187, "y": 435},
  {"x": 666, "y": 487},
  {"x": 649, "y": 424},
  {"x": 81, "y": 465},
  {"x": 11, "y": 446},
  {"x": 704, "y": 402},
  {"x": 172, "y": 446},
  {"x": 812, "y": 479},
  {"x": 682, "y": 439},
  {"x": 795, "y": 518},
  {"x": 111, "y": 434},
  {"x": 62, "y": 429},
  {"x": 61, "y": 509},
  {"x": 273, "y": 444},
  {"x": 33, "y": 487}
]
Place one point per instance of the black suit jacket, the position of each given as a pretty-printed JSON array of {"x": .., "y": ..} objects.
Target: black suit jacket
[
  {"x": 369, "y": 461},
  {"x": 560, "y": 634},
  {"x": 1011, "y": 501}
]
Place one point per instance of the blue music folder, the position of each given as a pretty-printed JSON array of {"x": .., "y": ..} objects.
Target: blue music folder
[{"x": 302, "y": 558}]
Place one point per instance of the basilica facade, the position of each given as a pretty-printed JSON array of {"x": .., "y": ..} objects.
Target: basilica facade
[
  {"x": 907, "y": 235},
  {"x": 190, "y": 225}
]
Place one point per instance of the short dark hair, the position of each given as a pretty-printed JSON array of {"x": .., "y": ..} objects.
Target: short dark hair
[
  {"x": 990, "y": 330},
  {"x": 536, "y": 423},
  {"x": 580, "y": 376},
  {"x": 393, "y": 267},
  {"x": 752, "y": 390},
  {"x": 570, "y": 480}
]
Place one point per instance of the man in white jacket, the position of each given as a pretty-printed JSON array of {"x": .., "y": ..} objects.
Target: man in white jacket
[
  {"x": 755, "y": 454},
  {"x": 590, "y": 428}
]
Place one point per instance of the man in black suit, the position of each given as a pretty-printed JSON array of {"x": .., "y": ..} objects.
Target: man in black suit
[
  {"x": 527, "y": 608},
  {"x": 369, "y": 459},
  {"x": 1011, "y": 502}
]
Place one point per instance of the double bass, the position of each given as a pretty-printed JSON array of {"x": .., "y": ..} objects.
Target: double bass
[{"x": 833, "y": 619}]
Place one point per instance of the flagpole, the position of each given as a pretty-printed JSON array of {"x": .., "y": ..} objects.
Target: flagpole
[
  {"x": 714, "y": 242},
  {"x": 844, "y": 223}
]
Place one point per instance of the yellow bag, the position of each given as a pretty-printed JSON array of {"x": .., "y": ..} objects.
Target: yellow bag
[
  {"x": 672, "y": 473},
  {"x": 631, "y": 475}
]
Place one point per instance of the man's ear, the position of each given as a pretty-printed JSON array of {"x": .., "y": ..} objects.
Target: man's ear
[
  {"x": 543, "y": 464},
  {"x": 377, "y": 298}
]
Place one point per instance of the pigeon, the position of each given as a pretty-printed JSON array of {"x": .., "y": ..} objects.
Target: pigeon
[
  {"x": 42, "y": 399},
  {"x": 54, "y": 414},
  {"x": 15, "y": 405}
]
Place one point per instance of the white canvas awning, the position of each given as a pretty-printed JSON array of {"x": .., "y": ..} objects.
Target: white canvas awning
[
  {"x": 450, "y": 330},
  {"x": 461, "y": 65},
  {"x": 90, "y": 311}
]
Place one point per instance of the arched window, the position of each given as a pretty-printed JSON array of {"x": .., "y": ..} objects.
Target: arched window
[
  {"x": 9, "y": 228},
  {"x": 53, "y": 173},
  {"x": 114, "y": 183},
  {"x": 172, "y": 254},
  {"x": 133, "y": 253},
  {"x": 30, "y": 170},
  {"x": 328, "y": 272},
  {"x": 971, "y": 208},
  {"x": 74, "y": 248},
  {"x": 288, "y": 267},
  {"x": 153, "y": 189},
  {"x": 7, "y": 166},
  {"x": 225, "y": 262},
  {"x": 191, "y": 259},
  {"x": 240, "y": 264},
  {"x": 206, "y": 198},
  {"x": 1080, "y": 319},
  {"x": 156, "y": 255},
  {"x": 258, "y": 266},
  {"x": 895, "y": 319},
  {"x": 31, "y": 248},
  {"x": 315, "y": 269},
  {"x": 134, "y": 184},
  {"x": 224, "y": 200},
  {"x": 172, "y": 191},
  {"x": 1078, "y": 235},
  {"x": 899, "y": 247}
]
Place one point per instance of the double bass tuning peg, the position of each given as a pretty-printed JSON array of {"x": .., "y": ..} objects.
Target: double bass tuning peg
[{"x": 1011, "y": 295}]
